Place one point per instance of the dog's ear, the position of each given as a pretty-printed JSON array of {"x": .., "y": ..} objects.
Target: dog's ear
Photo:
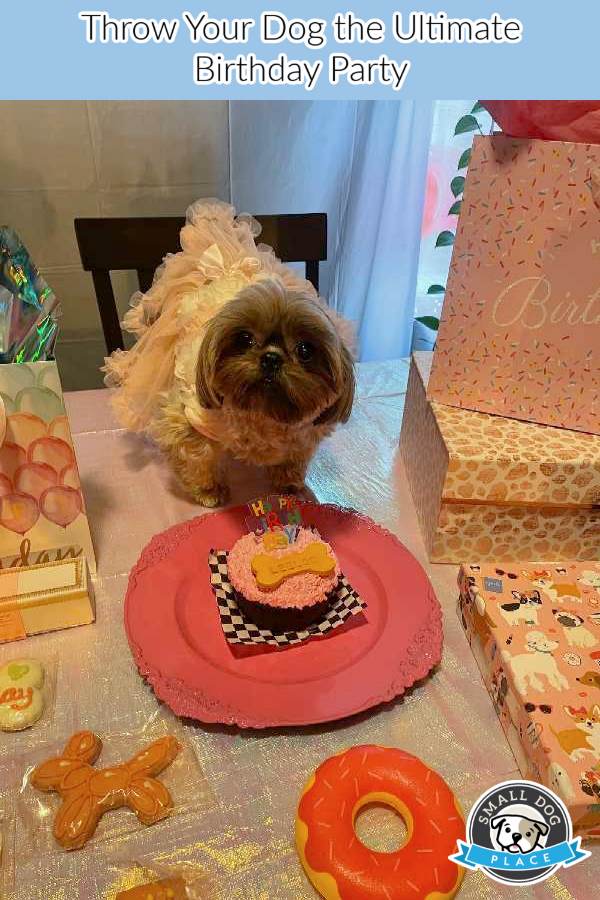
[
  {"x": 542, "y": 827},
  {"x": 205, "y": 370},
  {"x": 535, "y": 595},
  {"x": 498, "y": 822},
  {"x": 341, "y": 409}
]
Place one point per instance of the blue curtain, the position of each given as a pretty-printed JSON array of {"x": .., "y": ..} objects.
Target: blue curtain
[{"x": 364, "y": 163}]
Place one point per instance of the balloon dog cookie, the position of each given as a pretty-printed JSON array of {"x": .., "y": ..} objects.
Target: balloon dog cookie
[
  {"x": 340, "y": 866},
  {"x": 88, "y": 793},
  {"x": 21, "y": 696}
]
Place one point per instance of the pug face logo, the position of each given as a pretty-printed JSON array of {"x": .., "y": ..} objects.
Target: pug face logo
[
  {"x": 520, "y": 829},
  {"x": 519, "y": 833}
]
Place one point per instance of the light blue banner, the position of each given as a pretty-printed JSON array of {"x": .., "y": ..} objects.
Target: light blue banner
[
  {"x": 567, "y": 853},
  {"x": 153, "y": 50}
]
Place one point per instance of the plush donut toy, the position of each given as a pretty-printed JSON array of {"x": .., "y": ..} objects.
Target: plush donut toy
[{"x": 340, "y": 866}]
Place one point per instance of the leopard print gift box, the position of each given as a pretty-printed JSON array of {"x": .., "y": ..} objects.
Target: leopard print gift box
[
  {"x": 534, "y": 629},
  {"x": 487, "y": 487}
]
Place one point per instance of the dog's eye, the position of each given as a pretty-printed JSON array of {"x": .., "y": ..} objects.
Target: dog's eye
[
  {"x": 244, "y": 340},
  {"x": 304, "y": 351}
]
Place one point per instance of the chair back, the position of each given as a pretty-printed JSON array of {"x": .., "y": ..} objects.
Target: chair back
[{"x": 140, "y": 244}]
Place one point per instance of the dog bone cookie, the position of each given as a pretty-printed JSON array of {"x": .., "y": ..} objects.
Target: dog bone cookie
[
  {"x": 88, "y": 793},
  {"x": 21, "y": 696},
  {"x": 271, "y": 571},
  {"x": 166, "y": 889}
]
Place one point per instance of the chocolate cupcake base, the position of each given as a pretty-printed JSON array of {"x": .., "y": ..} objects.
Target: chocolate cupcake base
[{"x": 281, "y": 618}]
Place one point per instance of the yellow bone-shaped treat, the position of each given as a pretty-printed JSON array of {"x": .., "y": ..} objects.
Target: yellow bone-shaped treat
[{"x": 271, "y": 571}]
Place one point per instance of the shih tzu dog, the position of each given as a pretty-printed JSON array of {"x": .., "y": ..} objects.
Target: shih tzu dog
[
  {"x": 236, "y": 355},
  {"x": 273, "y": 377}
]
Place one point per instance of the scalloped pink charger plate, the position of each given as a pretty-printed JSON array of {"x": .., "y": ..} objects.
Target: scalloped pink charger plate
[{"x": 174, "y": 632}]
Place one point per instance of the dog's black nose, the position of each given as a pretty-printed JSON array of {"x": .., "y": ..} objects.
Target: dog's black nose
[
  {"x": 516, "y": 837},
  {"x": 270, "y": 362}
]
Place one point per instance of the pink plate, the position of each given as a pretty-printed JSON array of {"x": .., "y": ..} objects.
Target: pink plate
[{"x": 175, "y": 635}]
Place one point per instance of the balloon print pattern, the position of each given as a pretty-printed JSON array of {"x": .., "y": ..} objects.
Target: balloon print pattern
[{"x": 38, "y": 473}]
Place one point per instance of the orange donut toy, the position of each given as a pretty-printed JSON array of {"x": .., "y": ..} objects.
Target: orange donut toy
[{"x": 340, "y": 866}]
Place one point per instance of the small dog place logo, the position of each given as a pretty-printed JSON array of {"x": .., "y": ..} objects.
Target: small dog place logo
[{"x": 519, "y": 833}]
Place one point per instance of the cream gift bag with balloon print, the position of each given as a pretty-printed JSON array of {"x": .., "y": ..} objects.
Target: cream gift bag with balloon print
[{"x": 41, "y": 502}]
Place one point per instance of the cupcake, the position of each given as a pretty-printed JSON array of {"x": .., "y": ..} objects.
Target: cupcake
[{"x": 269, "y": 590}]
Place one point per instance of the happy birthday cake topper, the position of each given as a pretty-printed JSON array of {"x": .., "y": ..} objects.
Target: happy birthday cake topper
[{"x": 275, "y": 513}]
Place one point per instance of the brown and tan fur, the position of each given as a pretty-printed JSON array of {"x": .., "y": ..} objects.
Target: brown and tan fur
[
  {"x": 585, "y": 737},
  {"x": 273, "y": 417},
  {"x": 557, "y": 591}
]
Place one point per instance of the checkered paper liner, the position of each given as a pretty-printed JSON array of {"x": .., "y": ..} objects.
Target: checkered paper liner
[{"x": 238, "y": 629}]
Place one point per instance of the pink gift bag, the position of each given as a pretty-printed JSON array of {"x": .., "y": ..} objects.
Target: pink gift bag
[
  {"x": 520, "y": 329},
  {"x": 41, "y": 501}
]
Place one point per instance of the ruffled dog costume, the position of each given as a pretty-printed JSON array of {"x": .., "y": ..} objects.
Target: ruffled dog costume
[
  {"x": 218, "y": 258},
  {"x": 156, "y": 379}
]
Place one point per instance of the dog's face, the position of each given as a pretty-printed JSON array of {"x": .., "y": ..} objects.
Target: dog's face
[
  {"x": 590, "y": 679},
  {"x": 517, "y": 834},
  {"x": 538, "y": 642},
  {"x": 591, "y": 578},
  {"x": 559, "y": 781},
  {"x": 567, "y": 619},
  {"x": 276, "y": 352},
  {"x": 528, "y": 599},
  {"x": 587, "y": 720}
]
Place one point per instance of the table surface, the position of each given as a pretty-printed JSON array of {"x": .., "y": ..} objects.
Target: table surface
[{"x": 244, "y": 841}]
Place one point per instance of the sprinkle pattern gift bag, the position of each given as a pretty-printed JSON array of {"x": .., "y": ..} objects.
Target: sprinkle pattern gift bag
[
  {"x": 41, "y": 501},
  {"x": 520, "y": 329}
]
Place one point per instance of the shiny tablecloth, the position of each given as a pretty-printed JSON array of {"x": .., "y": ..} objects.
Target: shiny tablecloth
[{"x": 245, "y": 841}]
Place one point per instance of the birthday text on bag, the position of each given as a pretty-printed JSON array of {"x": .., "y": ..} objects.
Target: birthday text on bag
[{"x": 312, "y": 33}]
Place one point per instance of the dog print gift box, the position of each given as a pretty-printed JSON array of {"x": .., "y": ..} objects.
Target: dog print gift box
[
  {"x": 534, "y": 629},
  {"x": 486, "y": 487}
]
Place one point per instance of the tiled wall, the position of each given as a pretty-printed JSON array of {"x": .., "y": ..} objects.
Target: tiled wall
[{"x": 60, "y": 160}]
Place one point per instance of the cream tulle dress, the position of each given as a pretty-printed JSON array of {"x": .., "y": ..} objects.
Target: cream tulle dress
[{"x": 218, "y": 258}]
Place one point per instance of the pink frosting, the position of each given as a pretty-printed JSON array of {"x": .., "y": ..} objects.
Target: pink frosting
[{"x": 296, "y": 592}]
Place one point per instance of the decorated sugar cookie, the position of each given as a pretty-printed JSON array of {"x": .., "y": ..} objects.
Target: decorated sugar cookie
[
  {"x": 21, "y": 696},
  {"x": 271, "y": 571},
  {"x": 88, "y": 793}
]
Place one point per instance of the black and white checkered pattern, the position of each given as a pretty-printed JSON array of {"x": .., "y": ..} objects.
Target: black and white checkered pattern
[{"x": 239, "y": 630}]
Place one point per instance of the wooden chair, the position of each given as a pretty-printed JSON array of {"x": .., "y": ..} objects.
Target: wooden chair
[{"x": 107, "y": 245}]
